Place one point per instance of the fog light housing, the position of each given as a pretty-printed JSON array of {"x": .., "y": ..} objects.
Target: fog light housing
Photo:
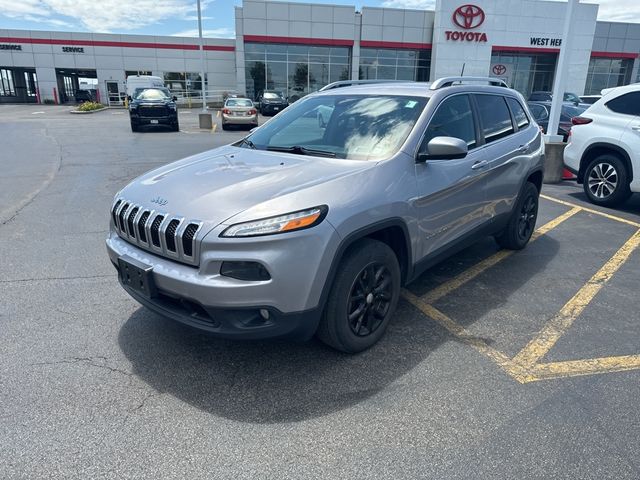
[{"x": 248, "y": 271}]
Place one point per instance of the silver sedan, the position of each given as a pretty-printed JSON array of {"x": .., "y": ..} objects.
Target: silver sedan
[{"x": 239, "y": 111}]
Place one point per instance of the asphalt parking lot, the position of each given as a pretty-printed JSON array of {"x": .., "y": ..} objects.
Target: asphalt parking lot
[{"x": 497, "y": 365}]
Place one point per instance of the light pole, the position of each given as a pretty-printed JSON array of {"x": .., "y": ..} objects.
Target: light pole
[{"x": 204, "y": 118}]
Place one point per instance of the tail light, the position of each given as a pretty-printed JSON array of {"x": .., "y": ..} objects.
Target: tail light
[
  {"x": 226, "y": 111},
  {"x": 253, "y": 111},
  {"x": 581, "y": 120}
]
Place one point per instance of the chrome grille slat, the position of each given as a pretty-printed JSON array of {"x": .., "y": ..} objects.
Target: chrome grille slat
[{"x": 175, "y": 236}]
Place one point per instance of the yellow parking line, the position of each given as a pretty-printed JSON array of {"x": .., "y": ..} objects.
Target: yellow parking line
[
  {"x": 214, "y": 128},
  {"x": 469, "y": 274},
  {"x": 591, "y": 210},
  {"x": 466, "y": 337},
  {"x": 591, "y": 366},
  {"x": 556, "y": 327},
  {"x": 218, "y": 114}
]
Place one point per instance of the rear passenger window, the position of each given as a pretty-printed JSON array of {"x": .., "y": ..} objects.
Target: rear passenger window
[
  {"x": 495, "y": 117},
  {"x": 453, "y": 118},
  {"x": 518, "y": 113},
  {"x": 629, "y": 104}
]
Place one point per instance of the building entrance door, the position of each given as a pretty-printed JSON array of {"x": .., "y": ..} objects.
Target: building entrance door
[{"x": 113, "y": 93}]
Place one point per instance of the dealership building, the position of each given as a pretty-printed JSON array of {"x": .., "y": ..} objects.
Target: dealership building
[{"x": 297, "y": 48}]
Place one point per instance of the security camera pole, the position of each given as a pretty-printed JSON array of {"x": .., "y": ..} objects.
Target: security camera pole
[
  {"x": 205, "y": 116},
  {"x": 561, "y": 76}
]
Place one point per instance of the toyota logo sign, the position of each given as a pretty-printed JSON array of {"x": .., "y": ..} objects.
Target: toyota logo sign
[
  {"x": 468, "y": 16},
  {"x": 499, "y": 69}
]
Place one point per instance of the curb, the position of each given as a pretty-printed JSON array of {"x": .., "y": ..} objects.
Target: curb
[{"x": 79, "y": 112}]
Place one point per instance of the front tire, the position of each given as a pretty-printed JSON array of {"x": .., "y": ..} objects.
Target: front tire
[
  {"x": 522, "y": 221},
  {"x": 176, "y": 127},
  {"x": 606, "y": 181},
  {"x": 134, "y": 127},
  {"x": 363, "y": 297}
]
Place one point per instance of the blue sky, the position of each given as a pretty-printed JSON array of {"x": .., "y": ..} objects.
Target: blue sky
[{"x": 178, "y": 17}]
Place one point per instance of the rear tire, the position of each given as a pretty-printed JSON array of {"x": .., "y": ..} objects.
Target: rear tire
[
  {"x": 363, "y": 297},
  {"x": 225, "y": 126},
  {"x": 522, "y": 221},
  {"x": 606, "y": 181}
]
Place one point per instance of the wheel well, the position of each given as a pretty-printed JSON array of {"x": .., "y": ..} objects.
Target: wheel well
[
  {"x": 536, "y": 179},
  {"x": 596, "y": 151},
  {"x": 396, "y": 239}
]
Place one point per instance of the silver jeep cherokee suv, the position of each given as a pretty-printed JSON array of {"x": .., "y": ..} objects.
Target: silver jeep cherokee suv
[{"x": 301, "y": 228}]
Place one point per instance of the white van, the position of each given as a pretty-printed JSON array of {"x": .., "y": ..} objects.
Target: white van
[{"x": 142, "y": 81}]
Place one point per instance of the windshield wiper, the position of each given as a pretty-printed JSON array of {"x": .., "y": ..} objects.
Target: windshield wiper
[
  {"x": 248, "y": 143},
  {"x": 303, "y": 151}
]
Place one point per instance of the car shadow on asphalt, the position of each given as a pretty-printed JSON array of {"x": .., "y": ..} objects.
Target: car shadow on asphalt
[
  {"x": 284, "y": 381},
  {"x": 271, "y": 381},
  {"x": 632, "y": 205}
]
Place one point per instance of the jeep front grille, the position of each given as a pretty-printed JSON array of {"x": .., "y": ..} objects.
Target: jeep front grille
[{"x": 158, "y": 232}]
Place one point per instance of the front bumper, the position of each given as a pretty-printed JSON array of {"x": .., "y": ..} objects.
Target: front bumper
[
  {"x": 227, "y": 307},
  {"x": 165, "y": 120},
  {"x": 272, "y": 109}
]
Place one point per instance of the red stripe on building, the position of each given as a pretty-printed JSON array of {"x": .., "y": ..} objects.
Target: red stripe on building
[
  {"x": 614, "y": 55},
  {"x": 407, "y": 45},
  {"x": 501, "y": 48},
  {"x": 105, "y": 43},
  {"x": 335, "y": 42}
]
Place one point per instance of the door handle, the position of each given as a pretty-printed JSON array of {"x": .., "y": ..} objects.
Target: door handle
[
  {"x": 636, "y": 128},
  {"x": 480, "y": 164},
  {"x": 523, "y": 148}
]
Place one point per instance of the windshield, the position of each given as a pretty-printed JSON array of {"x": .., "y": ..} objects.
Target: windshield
[
  {"x": 239, "y": 102},
  {"x": 272, "y": 95},
  {"x": 354, "y": 127},
  {"x": 152, "y": 94}
]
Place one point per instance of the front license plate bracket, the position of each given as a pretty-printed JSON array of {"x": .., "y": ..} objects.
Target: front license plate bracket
[{"x": 137, "y": 276}]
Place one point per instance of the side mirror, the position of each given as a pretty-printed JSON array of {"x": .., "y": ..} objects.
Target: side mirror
[
  {"x": 174, "y": 98},
  {"x": 444, "y": 148}
]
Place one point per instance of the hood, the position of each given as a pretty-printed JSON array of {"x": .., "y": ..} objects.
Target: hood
[{"x": 216, "y": 185}]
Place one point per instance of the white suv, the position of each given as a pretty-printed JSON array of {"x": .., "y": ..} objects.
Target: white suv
[{"x": 604, "y": 147}]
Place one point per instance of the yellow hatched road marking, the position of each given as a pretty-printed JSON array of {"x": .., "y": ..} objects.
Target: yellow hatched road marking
[
  {"x": 466, "y": 337},
  {"x": 549, "y": 335},
  {"x": 591, "y": 210},
  {"x": 591, "y": 366},
  {"x": 471, "y": 273}
]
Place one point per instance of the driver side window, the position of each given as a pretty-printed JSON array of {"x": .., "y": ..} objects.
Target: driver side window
[{"x": 453, "y": 118}]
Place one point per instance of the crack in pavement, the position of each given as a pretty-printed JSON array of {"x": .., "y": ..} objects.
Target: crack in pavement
[
  {"x": 75, "y": 277},
  {"x": 89, "y": 361}
]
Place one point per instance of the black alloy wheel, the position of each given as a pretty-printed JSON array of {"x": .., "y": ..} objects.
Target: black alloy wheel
[
  {"x": 363, "y": 297},
  {"x": 370, "y": 299},
  {"x": 523, "y": 219}
]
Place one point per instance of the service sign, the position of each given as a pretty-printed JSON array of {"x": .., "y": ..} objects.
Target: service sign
[
  {"x": 467, "y": 18},
  {"x": 72, "y": 49},
  {"x": 5, "y": 46}
]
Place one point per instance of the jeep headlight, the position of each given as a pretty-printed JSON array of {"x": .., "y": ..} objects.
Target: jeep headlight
[{"x": 279, "y": 224}]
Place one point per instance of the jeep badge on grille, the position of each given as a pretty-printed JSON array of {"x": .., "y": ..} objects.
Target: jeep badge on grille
[{"x": 160, "y": 201}]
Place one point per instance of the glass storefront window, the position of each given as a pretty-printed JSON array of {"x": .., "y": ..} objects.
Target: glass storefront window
[
  {"x": 526, "y": 73},
  {"x": 7, "y": 88},
  {"x": 294, "y": 69},
  {"x": 394, "y": 64},
  {"x": 185, "y": 84},
  {"x": 607, "y": 73}
]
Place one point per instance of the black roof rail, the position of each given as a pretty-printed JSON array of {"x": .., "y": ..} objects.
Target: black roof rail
[{"x": 449, "y": 81}]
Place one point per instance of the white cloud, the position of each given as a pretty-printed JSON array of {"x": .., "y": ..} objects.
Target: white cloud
[
  {"x": 215, "y": 32},
  {"x": 101, "y": 15},
  {"x": 417, "y": 4},
  {"x": 613, "y": 10}
]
